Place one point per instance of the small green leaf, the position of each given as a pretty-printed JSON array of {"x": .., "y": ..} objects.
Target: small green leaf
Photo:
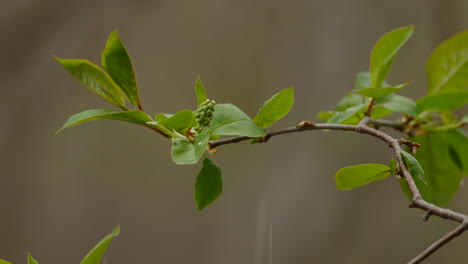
[
  {"x": 179, "y": 121},
  {"x": 351, "y": 177},
  {"x": 342, "y": 117},
  {"x": 363, "y": 80},
  {"x": 348, "y": 101},
  {"x": 393, "y": 167},
  {"x": 135, "y": 116},
  {"x": 200, "y": 91},
  {"x": 95, "y": 255},
  {"x": 116, "y": 61},
  {"x": 2, "y": 261},
  {"x": 183, "y": 152},
  {"x": 414, "y": 167},
  {"x": 384, "y": 53},
  {"x": 381, "y": 92},
  {"x": 443, "y": 101},
  {"x": 400, "y": 104},
  {"x": 31, "y": 260},
  {"x": 95, "y": 79},
  {"x": 447, "y": 68},
  {"x": 229, "y": 120},
  {"x": 377, "y": 92},
  {"x": 161, "y": 117},
  {"x": 326, "y": 115},
  {"x": 275, "y": 108},
  {"x": 201, "y": 143},
  {"x": 380, "y": 111},
  {"x": 209, "y": 184}
]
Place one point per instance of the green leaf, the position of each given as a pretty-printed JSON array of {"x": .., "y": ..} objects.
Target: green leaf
[
  {"x": 380, "y": 111},
  {"x": 458, "y": 143},
  {"x": 230, "y": 120},
  {"x": 275, "y": 108},
  {"x": 95, "y": 255},
  {"x": 200, "y": 91},
  {"x": 377, "y": 92},
  {"x": 443, "y": 101},
  {"x": 201, "y": 143},
  {"x": 363, "y": 80},
  {"x": 135, "y": 116},
  {"x": 342, "y": 117},
  {"x": 31, "y": 260},
  {"x": 179, "y": 121},
  {"x": 116, "y": 61},
  {"x": 95, "y": 79},
  {"x": 348, "y": 101},
  {"x": 380, "y": 92},
  {"x": 393, "y": 167},
  {"x": 401, "y": 104},
  {"x": 161, "y": 117},
  {"x": 384, "y": 53},
  {"x": 183, "y": 152},
  {"x": 326, "y": 115},
  {"x": 351, "y": 177},
  {"x": 414, "y": 167},
  {"x": 443, "y": 176},
  {"x": 2, "y": 261},
  {"x": 209, "y": 184},
  {"x": 447, "y": 68}
]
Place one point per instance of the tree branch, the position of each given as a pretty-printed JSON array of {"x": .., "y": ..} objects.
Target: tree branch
[
  {"x": 439, "y": 243},
  {"x": 363, "y": 128}
]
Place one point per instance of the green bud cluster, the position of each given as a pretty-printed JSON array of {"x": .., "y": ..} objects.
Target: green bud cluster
[{"x": 204, "y": 114}]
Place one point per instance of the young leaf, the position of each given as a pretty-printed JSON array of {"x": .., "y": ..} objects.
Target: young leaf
[
  {"x": 342, "y": 117},
  {"x": 363, "y": 80},
  {"x": 95, "y": 255},
  {"x": 2, "y": 261},
  {"x": 31, "y": 260},
  {"x": 377, "y": 92},
  {"x": 275, "y": 108},
  {"x": 116, "y": 61},
  {"x": 201, "y": 143},
  {"x": 351, "y": 177},
  {"x": 200, "y": 91},
  {"x": 413, "y": 166},
  {"x": 209, "y": 184},
  {"x": 326, "y": 115},
  {"x": 384, "y": 53},
  {"x": 230, "y": 120},
  {"x": 380, "y": 111},
  {"x": 447, "y": 68},
  {"x": 441, "y": 173},
  {"x": 400, "y": 104},
  {"x": 95, "y": 79},
  {"x": 178, "y": 121},
  {"x": 381, "y": 92},
  {"x": 443, "y": 101},
  {"x": 183, "y": 152},
  {"x": 348, "y": 101},
  {"x": 135, "y": 116},
  {"x": 393, "y": 167}
]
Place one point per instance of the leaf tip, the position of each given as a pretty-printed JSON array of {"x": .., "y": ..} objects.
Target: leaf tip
[{"x": 116, "y": 231}]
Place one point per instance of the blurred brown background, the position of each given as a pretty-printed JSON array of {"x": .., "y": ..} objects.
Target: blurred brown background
[{"x": 61, "y": 193}]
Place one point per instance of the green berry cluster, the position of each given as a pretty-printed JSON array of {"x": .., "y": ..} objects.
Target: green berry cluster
[{"x": 204, "y": 114}]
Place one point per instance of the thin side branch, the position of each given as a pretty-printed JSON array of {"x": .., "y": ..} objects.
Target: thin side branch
[
  {"x": 393, "y": 143},
  {"x": 439, "y": 243}
]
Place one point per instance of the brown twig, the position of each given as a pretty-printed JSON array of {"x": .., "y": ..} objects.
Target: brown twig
[{"x": 395, "y": 144}]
